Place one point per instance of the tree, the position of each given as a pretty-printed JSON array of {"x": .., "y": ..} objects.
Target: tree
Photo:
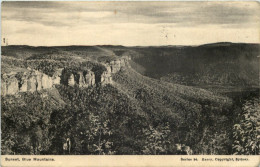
[
  {"x": 246, "y": 132},
  {"x": 157, "y": 140}
]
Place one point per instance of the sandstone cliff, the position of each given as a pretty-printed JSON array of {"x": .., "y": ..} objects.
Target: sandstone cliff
[
  {"x": 113, "y": 67},
  {"x": 24, "y": 81},
  {"x": 117, "y": 64},
  {"x": 33, "y": 80},
  {"x": 56, "y": 78},
  {"x": 9, "y": 84},
  {"x": 81, "y": 78}
]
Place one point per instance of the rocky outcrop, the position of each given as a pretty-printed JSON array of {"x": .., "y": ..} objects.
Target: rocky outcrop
[
  {"x": 89, "y": 78},
  {"x": 56, "y": 78},
  {"x": 32, "y": 83},
  {"x": 113, "y": 67},
  {"x": 9, "y": 84},
  {"x": 46, "y": 82},
  {"x": 106, "y": 78},
  {"x": 33, "y": 80},
  {"x": 71, "y": 80},
  {"x": 29, "y": 81},
  {"x": 80, "y": 78},
  {"x": 117, "y": 64}
]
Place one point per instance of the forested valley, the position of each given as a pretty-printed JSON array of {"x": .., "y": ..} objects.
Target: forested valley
[{"x": 143, "y": 111}]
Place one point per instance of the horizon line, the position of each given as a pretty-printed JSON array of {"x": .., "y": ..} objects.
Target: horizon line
[{"x": 224, "y": 42}]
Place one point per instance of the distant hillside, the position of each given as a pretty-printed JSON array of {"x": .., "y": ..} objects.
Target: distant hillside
[{"x": 211, "y": 64}]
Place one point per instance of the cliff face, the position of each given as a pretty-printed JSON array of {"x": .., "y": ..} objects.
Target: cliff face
[
  {"x": 56, "y": 78},
  {"x": 106, "y": 78},
  {"x": 80, "y": 78},
  {"x": 113, "y": 67},
  {"x": 116, "y": 65},
  {"x": 71, "y": 80},
  {"x": 33, "y": 80},
  {"x": 89, "y": 78},
  {"x": 9, "y": 85},
  {"x": 25, "y": 81}
]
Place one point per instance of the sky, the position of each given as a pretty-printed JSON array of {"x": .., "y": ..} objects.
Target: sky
[{"x": 58, "y": 23}]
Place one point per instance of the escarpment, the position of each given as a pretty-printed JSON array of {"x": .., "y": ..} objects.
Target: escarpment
[
  {"x": 28, "y": 81},
  {"x": 9, "y": 85},
  {"x": 32, "y": 80},
  {"x": 81, "y": 78},
  {"x": 113, "y": 67},
  {"x": 117, "y": 64}
]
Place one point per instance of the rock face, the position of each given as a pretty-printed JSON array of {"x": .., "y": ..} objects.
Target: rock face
[
  {"x": 117, "y": 64},
  {"x": 25, "y": 81},
  {"x": 46, "y": 81},
  {"x": 56, "y": 78},
  {"x": 106, "y": 78},
  {"x": 3, "y": 87},
  {"x": 112, "y": 68},
  {"x": 33, "y": 80},
  {"x": 23, "y": 85},
  {"x": 80, "y": 78},
  {"x": 9, "y": 84},
  {"x": 71, "y": 80},
  {"x": 32, "y": 84},
  {"x": 89, "y": 78}
]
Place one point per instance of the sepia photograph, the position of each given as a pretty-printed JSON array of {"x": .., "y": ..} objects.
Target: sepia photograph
[{"x": 130, "y": 78}]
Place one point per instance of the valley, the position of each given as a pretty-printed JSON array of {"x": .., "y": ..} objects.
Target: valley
[{"x": 120, "y": 100}]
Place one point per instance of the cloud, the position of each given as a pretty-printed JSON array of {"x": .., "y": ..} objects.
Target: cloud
[
  {"x": 108, "y": 22},
  {"x": 182, "y": 13}
]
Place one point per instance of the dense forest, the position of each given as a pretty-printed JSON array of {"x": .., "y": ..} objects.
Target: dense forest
[
  {"x": 143, "y": 112},
  {"x": 101, "y": 120}
]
